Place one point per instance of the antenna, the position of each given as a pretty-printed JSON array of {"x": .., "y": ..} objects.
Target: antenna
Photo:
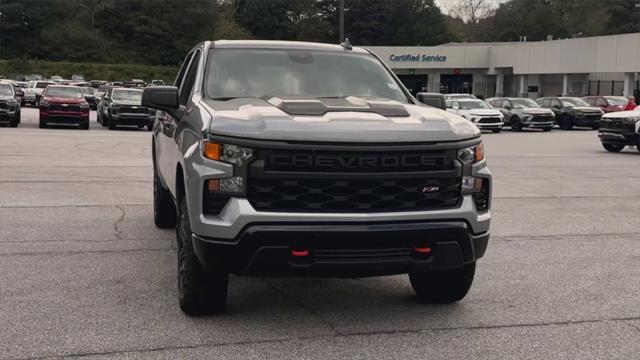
[{"x": 346, "y": 44}]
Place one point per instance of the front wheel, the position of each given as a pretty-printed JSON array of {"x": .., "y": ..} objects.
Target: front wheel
[
  {"x": 43, "y": 124},
  {"x": 613, "y": 147},
  {"x": 443, "y": 286},
  {"x": 595, "y": 126},
  {"x": 565, "y": 123},
  {"x": 515, "y": 124},
  {"x": 546, "y": 129},
  {"x": 496, "y": 131},
  {"x": 200, "y": 291}
]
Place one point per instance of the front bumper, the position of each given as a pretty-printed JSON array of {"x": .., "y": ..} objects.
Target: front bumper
[
  {"x": 7, "y": 115},
  {"x": 64, "y": 117},
  {"x": 608, "y": 136},
  {"x": 342, "y": 250},
  {"x": 490, "y": 126},
  {"x": 132, "y": 119}
]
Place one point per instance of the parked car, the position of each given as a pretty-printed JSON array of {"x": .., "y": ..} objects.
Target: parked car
[
  {"x": 9, "y": 106},
  {"x": 135, "y": 83},
  {"x": 258, "y": 184},
  {"x": 572, "y": 111},
  {"x": 90, "y": 96},
  {"x": 77, "y": 78},
  {"x": 123, "y": 107},
  {"x": 156, "y": 82},
  {"x": 56, "y": 78},
  {"x": 34, "y": 90},
  {"x": 478, "y": 112},
  {"x": 97, "y": 83},
  {"x": 522, "y": 113},
  {"x": 435, "y": 100},
  {"x": 607, "y": 103},
  {"x": 459, "y": 96},
  {"x": 63, "y": 104},
  {"x": 620, "y": 129}
]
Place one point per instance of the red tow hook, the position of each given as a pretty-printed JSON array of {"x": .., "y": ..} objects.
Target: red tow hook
[
  {"x": 299, "y": 252},
  {"x": 422, "y": 249}
]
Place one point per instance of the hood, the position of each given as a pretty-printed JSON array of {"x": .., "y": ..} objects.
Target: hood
[
  {"x": 64, "y": 100},
  {"x": 537, "y": 111},
  {"x": 484, "y": 112},
  {"x": 622, "y": 114},
  {"x": 348, "y": 119},
  {"x": 6, "y": 97},
  {"x": 587, "y": 109}
]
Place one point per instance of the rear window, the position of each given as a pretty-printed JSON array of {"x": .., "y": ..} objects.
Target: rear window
[
  {"x": 127, "y": 95},
  {"x": 64, "y": 92}
]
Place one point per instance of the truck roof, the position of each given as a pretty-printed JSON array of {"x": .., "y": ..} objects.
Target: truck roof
[{"x": 274, "y": 44}]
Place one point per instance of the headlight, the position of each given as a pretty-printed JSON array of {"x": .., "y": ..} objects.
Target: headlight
[
  {"x": 631, "y": 120},
  {"x": 236, "y": 155},
  {"x": 471, "y": 154},
  {"x": 527, "y": 117},
  {"x": 84, "y": 105},
  {"x": 44, "y": 103}
]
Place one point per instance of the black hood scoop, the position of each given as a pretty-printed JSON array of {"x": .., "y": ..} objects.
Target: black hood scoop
[{"x": 294, "y": 105}]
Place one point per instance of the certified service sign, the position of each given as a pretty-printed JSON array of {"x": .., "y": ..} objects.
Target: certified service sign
[{"x": 418, "y": 58}]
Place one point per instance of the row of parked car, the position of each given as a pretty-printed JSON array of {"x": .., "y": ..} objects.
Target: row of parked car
[
  {"x": 518, "y": 113},
  {"x": 71, "y": 105},
  {"x": 617, "y": 117}
]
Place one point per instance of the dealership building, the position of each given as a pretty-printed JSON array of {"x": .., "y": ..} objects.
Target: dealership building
[{"x": 602, "y": 65}]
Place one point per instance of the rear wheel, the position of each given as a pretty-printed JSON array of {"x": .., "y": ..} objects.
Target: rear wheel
[
  {"x": 443, "y": 286},
  {"x": 613, "y": 147},
  {"x": 200, "y": 291}
]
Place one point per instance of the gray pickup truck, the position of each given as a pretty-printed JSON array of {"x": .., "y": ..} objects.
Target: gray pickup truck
[{"x": 301, "y": 159}]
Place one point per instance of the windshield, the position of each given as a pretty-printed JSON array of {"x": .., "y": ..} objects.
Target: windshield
[
  {"x": 42, "y": 85},
  {"x": 6, "y": 90},
  {"x": 571, "y": 102},
  {"x": 524, "y": 103},
  {"x": 88, "y": 90},
  {"x": 64, "y": 92},
  {"x": 127, "y": 95},
  {"x": 257, "y": 73},
  {"x": 617, "y": 100},
  {"x": 473, "y": 104}
]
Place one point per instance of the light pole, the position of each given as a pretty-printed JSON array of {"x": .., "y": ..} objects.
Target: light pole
[{"x": 341, "y": 21}]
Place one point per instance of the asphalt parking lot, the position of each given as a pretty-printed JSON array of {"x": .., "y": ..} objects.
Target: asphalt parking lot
[{"x": 86, "y": 274}]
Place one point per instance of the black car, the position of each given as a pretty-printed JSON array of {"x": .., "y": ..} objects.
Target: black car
[
  {"x": 572, "y": 111},
  {"x": 97, "y": 83},
  {"x": 90, "y": 96},
  {"x": 123, "y": 107},
  {"x": 435, "y": 100},
  {"x": 9, "y": 106}
]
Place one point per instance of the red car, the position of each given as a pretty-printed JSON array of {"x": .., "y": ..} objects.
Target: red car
[
  {"x": 607, "y": 103},
  {"x": 62, "y": 104}
]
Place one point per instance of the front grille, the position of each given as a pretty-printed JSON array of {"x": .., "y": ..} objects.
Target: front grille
[
  {"x": 132, "y": 110},
  {"x": 69, "y": 107},
  {"x": 314, "y": 183},
  {"x": 616, "y": 124},
  {"x": 593, "y": 117},
  {"x": 489, "y": 120},
  {"x": 542, "y": 118},
  {"x": 4, "y": 105}
]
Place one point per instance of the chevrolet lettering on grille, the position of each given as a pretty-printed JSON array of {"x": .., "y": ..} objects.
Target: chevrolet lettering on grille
[{"x": 353, "y": 162}]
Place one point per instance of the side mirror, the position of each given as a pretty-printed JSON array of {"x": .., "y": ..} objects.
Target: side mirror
[{"x": 163, "y": 98}]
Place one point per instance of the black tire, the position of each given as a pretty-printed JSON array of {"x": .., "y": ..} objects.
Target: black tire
[
  {"x": 496, "y": 131},
  {"x": 613, "y": 147},
  {"x": 595, "y": 126},
  {"x": 566, "y": 123},
  {"x": 84, "y": 126},
  {"x": 111, "y": 125},
  {"x": 546, "y": 129},
  {"x": 43, "y": 124},
  {"x": 16, "y": 121},
  {"x": 515, "y": 124},
  {"x": 443, "y": 286},
  {"x": 200, "y": 291},
  {"x": 164, "y": 210},
  {"x": 149, "y": 127}
]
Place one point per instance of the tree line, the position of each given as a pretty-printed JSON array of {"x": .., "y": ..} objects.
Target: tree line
[{"x": 161, "y": 32}]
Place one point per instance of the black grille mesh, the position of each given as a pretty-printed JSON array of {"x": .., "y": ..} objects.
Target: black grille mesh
[{"x": 352, "y": 195}]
